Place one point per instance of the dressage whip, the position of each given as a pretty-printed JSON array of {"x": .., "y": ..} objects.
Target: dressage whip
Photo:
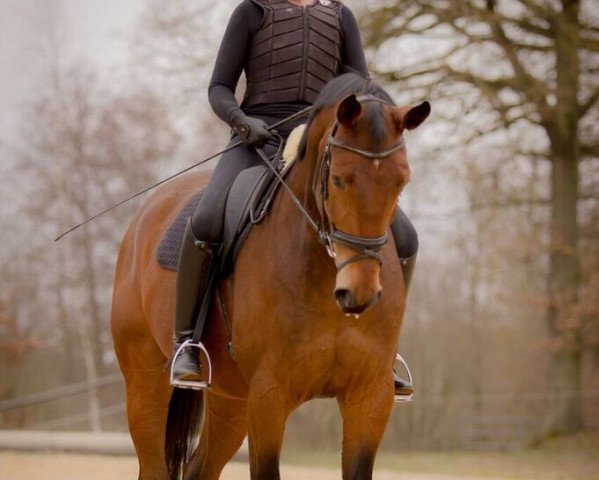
[{"x": 300, "y": 114}]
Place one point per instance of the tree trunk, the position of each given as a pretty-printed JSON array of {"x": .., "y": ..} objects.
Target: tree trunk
[
  {"x": 96, "y": 320},
  {"x": 69, "y": 340},
  {"x": 566, "y": 413},
  {"x": 91, "y": 373}
]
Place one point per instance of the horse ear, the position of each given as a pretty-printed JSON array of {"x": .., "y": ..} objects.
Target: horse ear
[
  {"x": 412, "y": 117},
  {"x": 349, "y": 110}
]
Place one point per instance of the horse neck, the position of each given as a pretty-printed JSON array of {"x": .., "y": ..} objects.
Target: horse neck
[
  {"x": 300, "y": 182},
  {"x": 302, "y": 175}
]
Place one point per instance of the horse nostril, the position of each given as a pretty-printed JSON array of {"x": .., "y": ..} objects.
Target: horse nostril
[{"x": 344, "y": 297}]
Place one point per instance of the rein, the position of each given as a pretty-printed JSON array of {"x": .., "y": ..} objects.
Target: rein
[{"x": 367, "y": 247}]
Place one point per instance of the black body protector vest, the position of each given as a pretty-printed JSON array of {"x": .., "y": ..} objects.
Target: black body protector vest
[{"x": 296, "y": 51}]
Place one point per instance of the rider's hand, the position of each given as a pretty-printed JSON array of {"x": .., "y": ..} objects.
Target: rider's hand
[{"x": 253, "y": 131}]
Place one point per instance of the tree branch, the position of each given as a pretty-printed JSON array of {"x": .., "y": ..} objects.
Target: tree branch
[
  {"x": 589, "y": 149},
  {"x": 587, "y": 42},
  {"x": 591, "y": 101},
  {"x": 535, "y": 90}
]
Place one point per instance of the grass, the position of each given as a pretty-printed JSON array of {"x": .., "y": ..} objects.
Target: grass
[{"x": 570, "y": 458}]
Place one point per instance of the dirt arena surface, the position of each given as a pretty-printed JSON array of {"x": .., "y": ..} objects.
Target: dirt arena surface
[
  {"x": 570, "y": 458},
  {"x": 32, "y": 466},
  {"x": 413, "y": 466}
]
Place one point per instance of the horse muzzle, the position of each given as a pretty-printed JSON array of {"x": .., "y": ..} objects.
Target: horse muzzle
[
  {"x": 358, "y": 287},
  {"x": 349, "y": 304}
]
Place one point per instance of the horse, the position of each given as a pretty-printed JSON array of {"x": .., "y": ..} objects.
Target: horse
[{"x": 313, "y": 307}]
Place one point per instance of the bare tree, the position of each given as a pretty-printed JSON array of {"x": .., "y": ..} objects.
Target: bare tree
[
  {"x": 176, "y": 43},
  {"x": 523, "y": 66},
  {"x": 176, "y": 46},
  {"x": 83, "y": 147}
]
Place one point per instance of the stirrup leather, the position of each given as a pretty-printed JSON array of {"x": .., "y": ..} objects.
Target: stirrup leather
[
  {"x": 191, "y": 384},
  {"x": 404, "y": 398}
]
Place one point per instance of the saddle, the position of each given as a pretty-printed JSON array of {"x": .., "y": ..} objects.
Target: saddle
[{"x": 248, "y": 202}]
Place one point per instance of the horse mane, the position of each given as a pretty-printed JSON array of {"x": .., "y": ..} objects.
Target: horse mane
[{"x": 338, "y": 89}]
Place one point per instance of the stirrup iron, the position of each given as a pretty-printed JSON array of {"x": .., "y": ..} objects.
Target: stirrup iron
[
  {"x": 404, "y": 398},
  {"x": 191, "y": 384}
]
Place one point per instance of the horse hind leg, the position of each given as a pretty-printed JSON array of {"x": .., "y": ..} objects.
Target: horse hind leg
[
  {"x": 148, "y": 393},
  {"x": 225, "y": 427}
]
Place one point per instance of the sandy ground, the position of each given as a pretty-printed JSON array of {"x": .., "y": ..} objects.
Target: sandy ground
[
  {"x": 574, "y": 457},
  {"x": 49, "y": 466}
]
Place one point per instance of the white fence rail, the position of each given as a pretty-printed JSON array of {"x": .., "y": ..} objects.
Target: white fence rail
[{"x": 69, "y": 413}]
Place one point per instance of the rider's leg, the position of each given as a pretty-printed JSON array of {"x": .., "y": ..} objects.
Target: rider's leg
[
  {"x": 199, "y": 255},
  {"x": 196, "y": 264},
  {"x": 406, "y": 243}
]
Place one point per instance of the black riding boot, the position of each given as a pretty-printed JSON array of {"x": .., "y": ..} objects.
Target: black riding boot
[
  {"x": 196, "y": 267},
  {"x": 403, "y": 387},
  {"x": 404, "y": 235}
]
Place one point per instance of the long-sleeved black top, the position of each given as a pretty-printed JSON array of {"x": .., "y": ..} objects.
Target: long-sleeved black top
[{"x": 233, "y": 56}]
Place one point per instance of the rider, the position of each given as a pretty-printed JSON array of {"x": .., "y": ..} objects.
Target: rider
[{"x": 289, "y": 49}]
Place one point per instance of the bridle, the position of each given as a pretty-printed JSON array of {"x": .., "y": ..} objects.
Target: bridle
[{"x": 366, "y": 247}]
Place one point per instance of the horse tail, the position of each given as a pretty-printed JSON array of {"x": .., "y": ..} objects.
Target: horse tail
[{"x": 183, "y": 423}]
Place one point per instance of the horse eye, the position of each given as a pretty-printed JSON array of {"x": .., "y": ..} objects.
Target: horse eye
[{"x": 338, "y": 182}]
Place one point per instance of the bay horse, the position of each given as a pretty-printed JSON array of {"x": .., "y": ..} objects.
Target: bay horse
[{"x": 299, "y": 324}]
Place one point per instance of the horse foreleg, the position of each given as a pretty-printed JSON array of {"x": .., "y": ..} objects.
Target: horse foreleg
[
  {"x": 225, "y": 427},
  {"x": 267, "y": 413},
  {"x": 365, "y": 417}
]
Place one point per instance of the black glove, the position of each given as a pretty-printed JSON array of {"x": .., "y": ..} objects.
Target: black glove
[{"x": 253, "y": 131}]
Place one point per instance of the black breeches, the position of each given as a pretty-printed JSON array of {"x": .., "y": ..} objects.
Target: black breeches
[{"x": 208, "y": 219}]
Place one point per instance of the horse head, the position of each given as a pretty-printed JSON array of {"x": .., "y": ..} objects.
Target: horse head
[{"x": 362, "y": 170}]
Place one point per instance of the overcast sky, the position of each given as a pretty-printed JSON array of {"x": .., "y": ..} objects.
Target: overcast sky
[{"x": 99, "y": 30}]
